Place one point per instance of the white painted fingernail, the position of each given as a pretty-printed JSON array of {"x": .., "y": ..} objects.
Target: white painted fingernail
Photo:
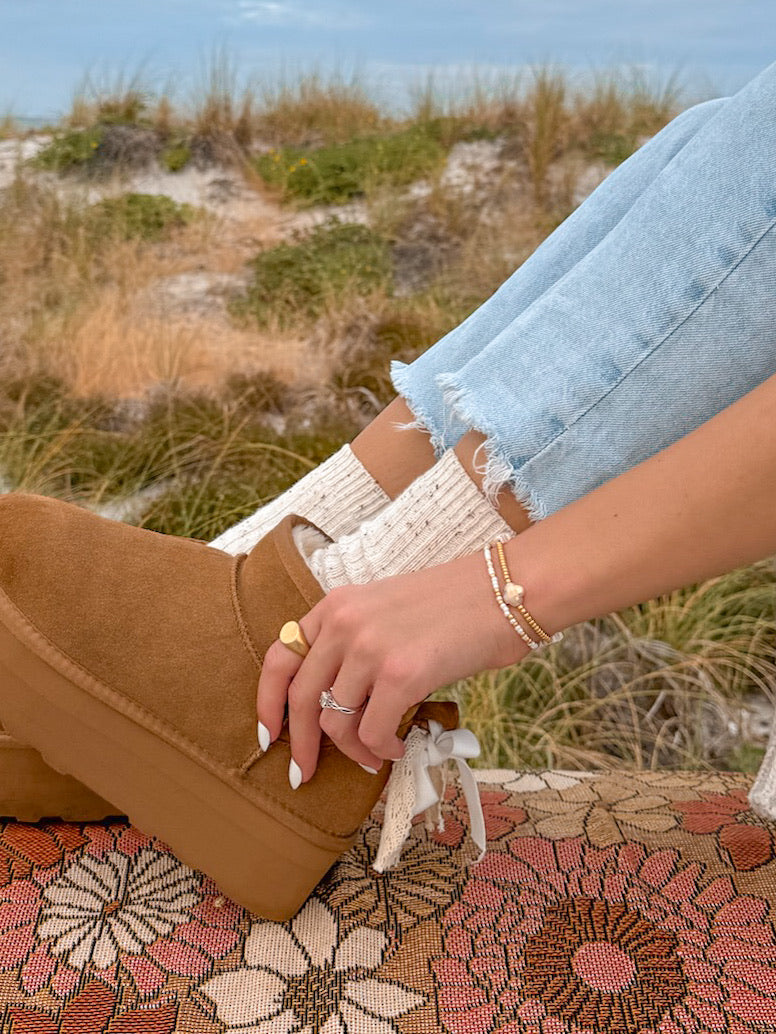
[
  {"x": 294, "y": 775},
  {"x": 366, "y": 768},
  {"x": 264, "y": 737}
]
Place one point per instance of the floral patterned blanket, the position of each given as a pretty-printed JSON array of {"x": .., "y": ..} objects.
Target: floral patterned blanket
[{"x": 617, "y": 902}]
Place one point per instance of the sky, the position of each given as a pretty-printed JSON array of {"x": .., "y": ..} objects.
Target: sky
[{"x": 48, "y": 46}]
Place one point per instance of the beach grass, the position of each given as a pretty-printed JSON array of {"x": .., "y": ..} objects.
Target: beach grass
[{"x": 317, "y": 109}]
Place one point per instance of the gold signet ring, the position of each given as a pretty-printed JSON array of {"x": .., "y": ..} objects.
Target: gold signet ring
[{"x": 292, "y": 636}]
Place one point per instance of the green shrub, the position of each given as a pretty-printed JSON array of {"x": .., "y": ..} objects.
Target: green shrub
[
  {"x": 302, "y": 277},
  {"x": 143, "y": 216},
  {"x": 175, "y": 156},
  {"x": 366, "y": 368},
  {"x": 71, "y": 150},
  {"x": 612, "y": 148},
  {"x": 338, "y": 173}
]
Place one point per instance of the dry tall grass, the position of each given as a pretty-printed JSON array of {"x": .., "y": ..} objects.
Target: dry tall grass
[
  {"x": 222, "y": 110},
  {"x": 316, "y": 109},
  {"x": 65, "y": 299},
  {"x": 111, "y": 95},
  {"x": 662, "y": 685},
  {"x": 10, "y": 128},
  {"x": 546, "y": 126},
  {"x": 76, "y": 308}
]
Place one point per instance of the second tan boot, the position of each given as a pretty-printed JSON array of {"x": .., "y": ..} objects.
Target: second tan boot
[{"x": 31, "y": 790}]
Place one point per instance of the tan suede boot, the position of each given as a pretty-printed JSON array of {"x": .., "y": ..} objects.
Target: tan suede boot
[{"x": 130, "y": 660}]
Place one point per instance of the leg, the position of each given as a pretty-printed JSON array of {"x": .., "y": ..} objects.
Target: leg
[
  {"x": 397, "y": 457},
  {"x": 665, "y": 322},
  {"x": 392, "y": 452},
  {"x": 469, "y": 450},
  {"x": 393, "y": 458},
  {"x": 570, "y": 243}
]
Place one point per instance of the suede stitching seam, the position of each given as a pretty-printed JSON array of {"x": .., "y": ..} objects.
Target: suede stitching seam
[
  {"x": 255, "y": 755},
  {"x": 237, "y": 610},
  {"x": 137, "y": 713}
]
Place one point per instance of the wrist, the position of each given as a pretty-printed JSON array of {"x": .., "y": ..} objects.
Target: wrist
[
  {"x": 557, "y": 582},
  {"x": 508, "y": 642}
]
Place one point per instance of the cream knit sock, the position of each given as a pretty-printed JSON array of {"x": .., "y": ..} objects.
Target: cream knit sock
[
  {"x": 441, "y": 516},
  {"x": 337, "y": 496}
]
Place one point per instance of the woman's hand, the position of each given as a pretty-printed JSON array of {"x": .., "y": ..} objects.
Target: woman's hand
[{"x": 380, "y": 648}]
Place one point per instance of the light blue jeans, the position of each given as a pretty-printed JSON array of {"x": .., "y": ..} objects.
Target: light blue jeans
[{"x": 650, "y": 309}]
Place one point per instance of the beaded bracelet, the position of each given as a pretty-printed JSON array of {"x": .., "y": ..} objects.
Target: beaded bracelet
[
  {"x": 514, "y": 594},
  {"x": 529, "y": 642}
]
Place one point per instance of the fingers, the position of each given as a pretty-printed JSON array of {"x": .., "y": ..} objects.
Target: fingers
[
  {"x": 394, "y": 690},
  {"x": 349, "y": 689},
  {"x": 348, "y": 658},
  {"x": 278, "y": 684},
  {"x": 289, "y": 681},
  {"x": 304, "y": 709},
  {"x": 286, "y": 684},
  {"x": 277, "y": 672}
]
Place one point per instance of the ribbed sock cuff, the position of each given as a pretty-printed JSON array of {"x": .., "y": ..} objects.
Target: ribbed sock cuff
[
  {"x": 442, "y": 515},
  {"x": 336, "y": 496}
]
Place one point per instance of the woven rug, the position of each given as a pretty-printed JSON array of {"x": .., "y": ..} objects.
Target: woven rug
[{"x": 617, "y": 903}]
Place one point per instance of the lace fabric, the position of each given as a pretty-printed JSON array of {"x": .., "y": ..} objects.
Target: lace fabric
[{"x": 417, "y": 784}]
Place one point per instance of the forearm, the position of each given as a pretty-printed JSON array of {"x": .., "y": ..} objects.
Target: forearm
[{"x": 703, "y": 506}]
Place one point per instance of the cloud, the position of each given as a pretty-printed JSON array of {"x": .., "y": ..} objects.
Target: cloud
[{"x": 290, "y": 12}]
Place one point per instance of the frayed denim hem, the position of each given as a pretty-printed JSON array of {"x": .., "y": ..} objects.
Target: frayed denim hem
[
  {"x": 497, "y": 471},
  {"x": 422, "y": 422}
]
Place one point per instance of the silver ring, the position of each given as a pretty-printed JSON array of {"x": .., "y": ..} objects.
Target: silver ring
[{"x": 327, "y": 700}]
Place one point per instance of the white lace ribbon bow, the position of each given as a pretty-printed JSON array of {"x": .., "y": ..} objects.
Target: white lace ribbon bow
[{"x": 417, "y": 784}]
